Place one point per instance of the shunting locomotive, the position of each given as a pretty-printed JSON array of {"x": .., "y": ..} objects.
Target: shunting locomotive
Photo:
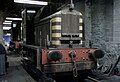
[{"x": 60, "y": 44}]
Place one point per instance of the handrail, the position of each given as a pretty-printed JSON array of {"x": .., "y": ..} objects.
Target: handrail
[
  {"x": 31, "y": 46},
  {"x": 37, "y": 48}
]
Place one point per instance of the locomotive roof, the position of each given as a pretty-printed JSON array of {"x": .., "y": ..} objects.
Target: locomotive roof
[{"x": 63, "y": 11}]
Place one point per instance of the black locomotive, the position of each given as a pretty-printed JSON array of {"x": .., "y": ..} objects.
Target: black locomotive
[{"x": 59, "y": 45}]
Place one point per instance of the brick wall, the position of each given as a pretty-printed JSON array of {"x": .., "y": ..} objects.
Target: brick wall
[
  {"x": 105, "y": 20},
  {"x": 116, "y": 21},
  {"x": 98, "y": 24},
  {"x": 102, "y": 26}
]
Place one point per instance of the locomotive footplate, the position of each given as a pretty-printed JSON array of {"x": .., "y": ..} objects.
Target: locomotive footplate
[{"x": 66, "y": 67}]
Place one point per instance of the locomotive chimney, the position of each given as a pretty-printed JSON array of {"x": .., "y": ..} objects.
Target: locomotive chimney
[{"x": 71, "y": 5}]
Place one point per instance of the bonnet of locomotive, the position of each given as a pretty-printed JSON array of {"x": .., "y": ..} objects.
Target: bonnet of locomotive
[
  {"x": 60, "y": 29},
  {"x": 67, "y": 28}
]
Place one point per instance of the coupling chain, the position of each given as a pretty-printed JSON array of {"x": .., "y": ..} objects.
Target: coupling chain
[{"x": 75, "y": 73}]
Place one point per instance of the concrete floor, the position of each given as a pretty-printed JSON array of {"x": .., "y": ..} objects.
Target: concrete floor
[{"x": 15, "y": 72}]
